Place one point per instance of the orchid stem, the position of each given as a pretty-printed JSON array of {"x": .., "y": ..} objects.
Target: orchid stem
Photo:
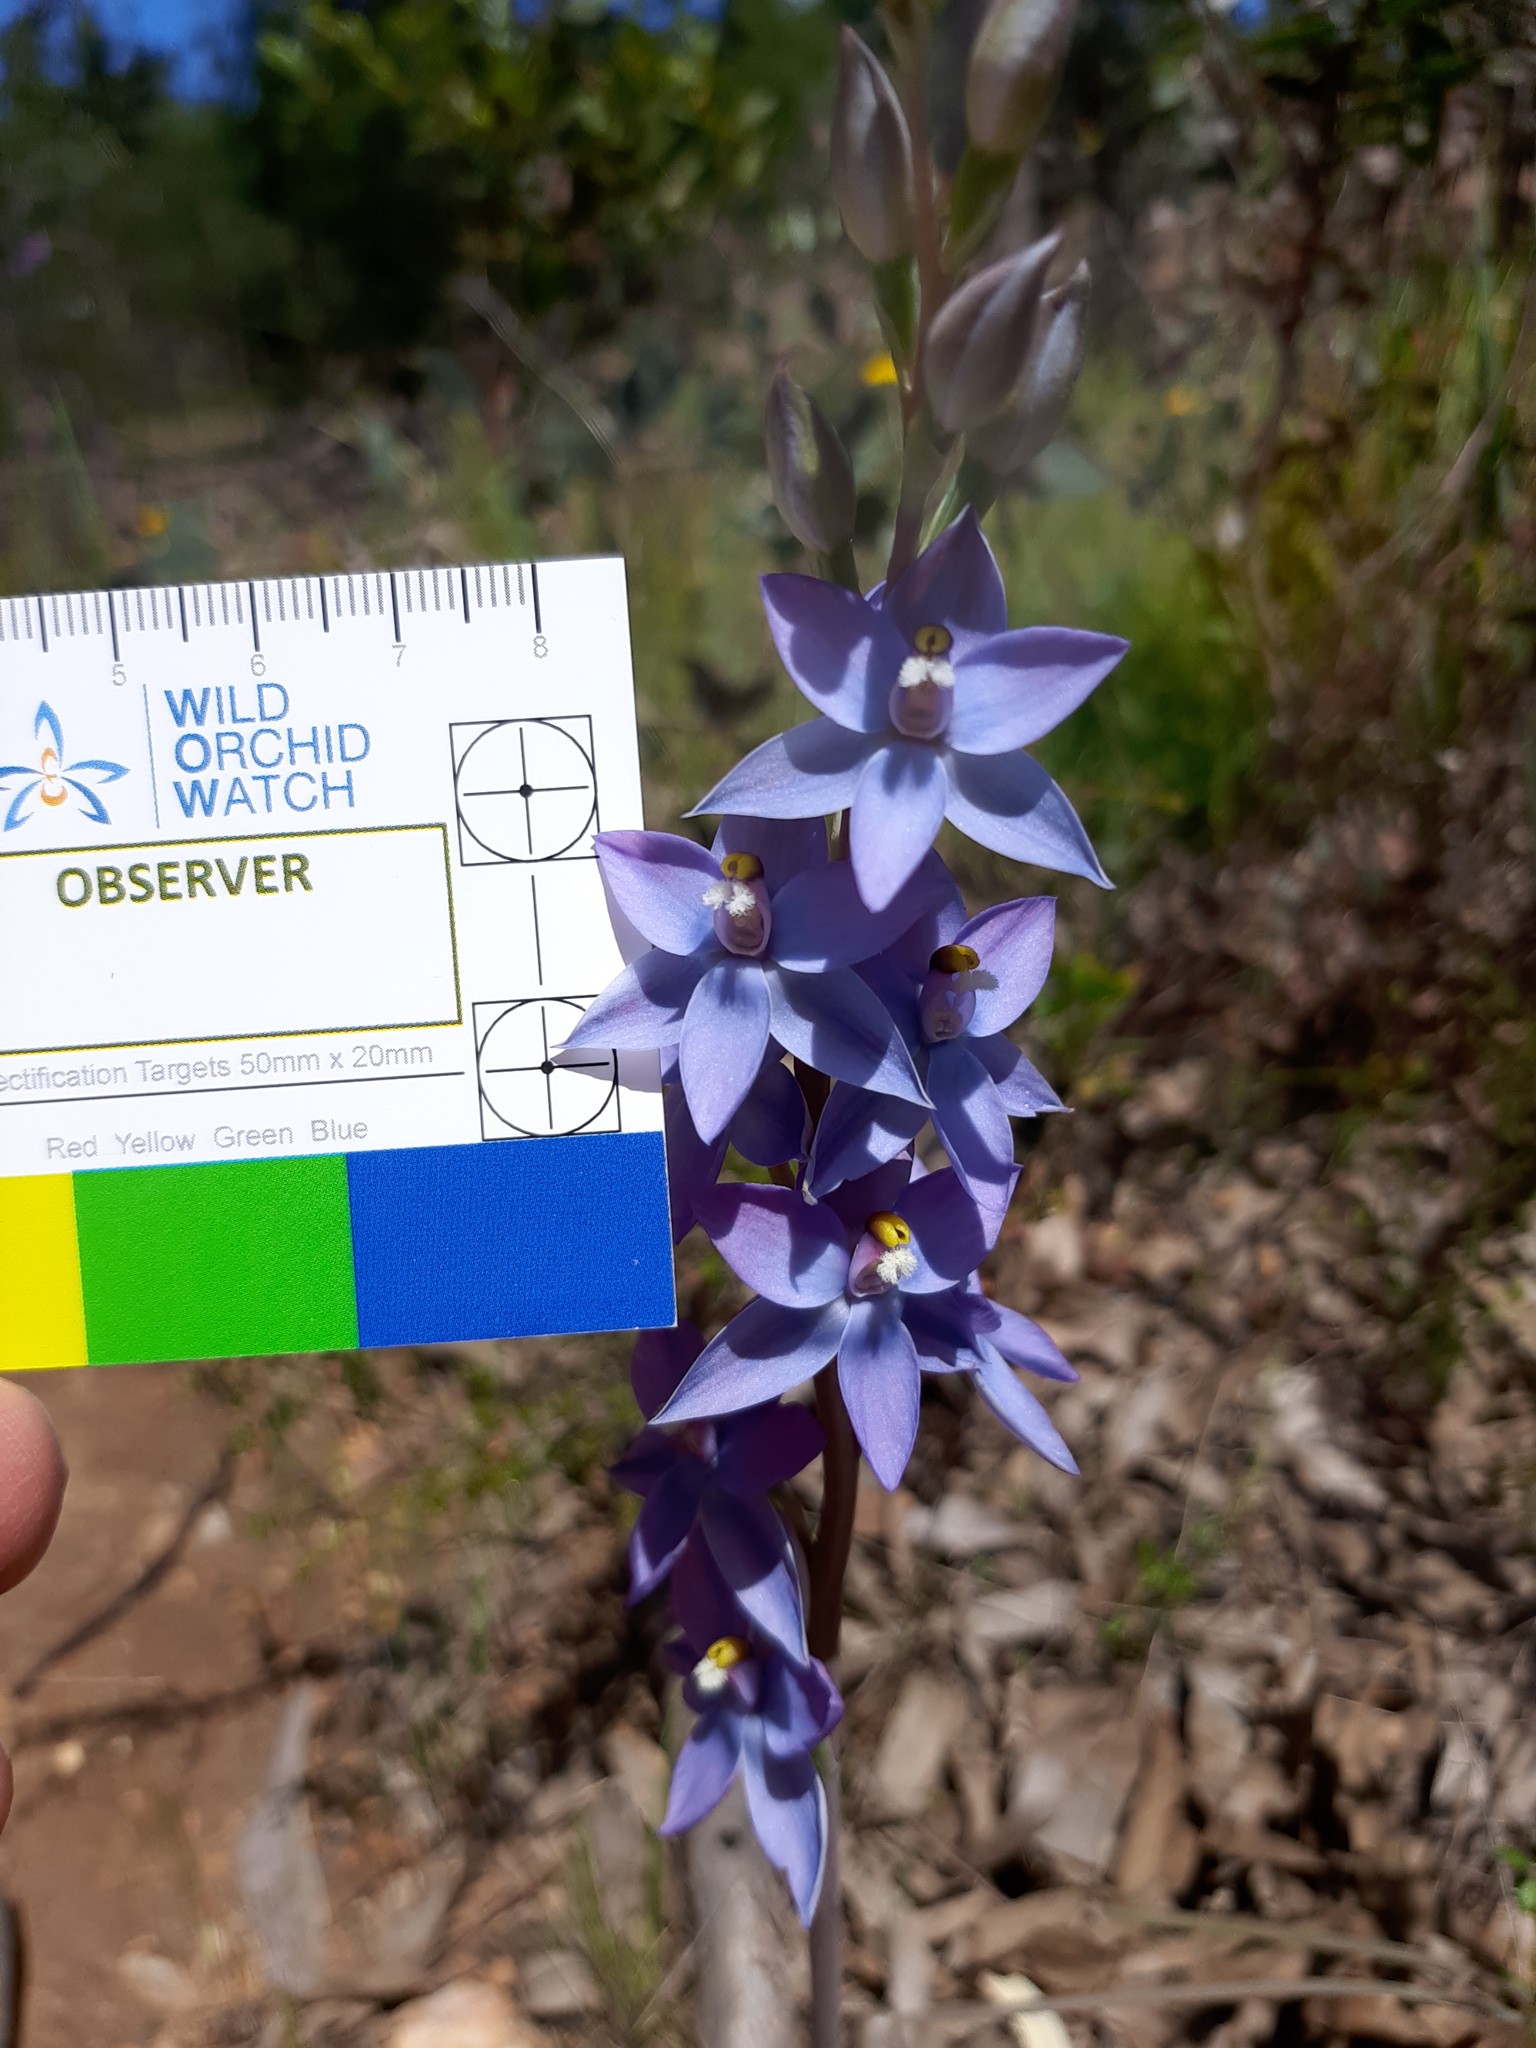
[
  {"x": 834, "y": 1530},
  {"x": 827, "y": 1924},
  {"x": 828, "y": 1568}
]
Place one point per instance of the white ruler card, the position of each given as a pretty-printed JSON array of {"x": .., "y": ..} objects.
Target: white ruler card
[{"x": 305, "y": 865}]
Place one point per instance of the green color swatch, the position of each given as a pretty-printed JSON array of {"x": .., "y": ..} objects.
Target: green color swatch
[{"x": 244, "y": 1259}]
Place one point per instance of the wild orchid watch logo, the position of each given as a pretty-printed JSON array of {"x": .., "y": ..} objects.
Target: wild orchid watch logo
[{"x": 54, "y": 782}]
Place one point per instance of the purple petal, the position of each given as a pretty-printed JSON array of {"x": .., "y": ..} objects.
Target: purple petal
[
  {"x": 767, "y": 1446},
  {"x": 1022, "y": 1090},
  {"x": 662, "y": 1527},
  {"x": 1007, "y": 802},
  {"x": 841, "y": 652},
  {"x": 658, "y": 1362},
  {"x": 948, "y": 1328},
  {"x": 704, "y": 1769},
  {"x": 658, "y": 882},
  {"x": 857, "y": 1200},
  {"x": 772, "y": 1125},
  {"x": 752, "y": 1548},
  {"x": 820, "y": 920},
  {"x": 1020, "y": 686},
  {"x": 781, "y": 1245},
  {"x": 858, "y": 1132},
  {"x": 832, "y": 1022},
  {"x": 643, "y": 1007},
  {"x": 950, "y": 1233},
  {"x": 760, "y": 1354},
  {"x": 785, "y": 846},
  {"x": 1015, "y": 941},
  {"x": 1015, "y": 1406},
  {"x": 788, "y": 1808},
  {"x": 1024, "y": 1343},
  {"x": 724, "y": 1037},
  {"x": 878, "y": 1373},
  {"x": 703, "y": 1605},
  {"x": 895, "y": 816},
  {"x": 910, "y": 954},
  {"x": 800, "y": 1706},
  {"x": 692, "y": 1166},
  {"x": 969, "y": 1118},
  {"x": 803, "y": 773},
  {"x": 954, "y": 583},
  {"x": 645, "y": 1461}
]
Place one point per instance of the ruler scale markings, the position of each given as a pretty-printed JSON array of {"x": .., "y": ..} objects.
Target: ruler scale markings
[
  {"x": 394, "y": 605},
  {"x": 325, "y": 615},
  {"x": 112, "y": 617},
  {"x": 464, "y": 582},
  {"x": 182, "y": 596},
  {"x": 538, "y": 614},
  {"x": 520, "y": 597},
  {"x": 42, "y": 624},
  {"x": 255, "y": 622}
]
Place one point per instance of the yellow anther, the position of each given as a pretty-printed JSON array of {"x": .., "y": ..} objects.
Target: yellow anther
[
  {"x": 888, "y": 1229},
  {"x": 933, "y": 640},
  {"x": 741, "y": 867},
  {"x": 955, "y": 960},
  {"x": 730, "y": 1650}
]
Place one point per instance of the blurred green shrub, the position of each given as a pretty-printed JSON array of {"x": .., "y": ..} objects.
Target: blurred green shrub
[
  {"x": 128, "y": 250},
  {"x": 562, "y": 153}
]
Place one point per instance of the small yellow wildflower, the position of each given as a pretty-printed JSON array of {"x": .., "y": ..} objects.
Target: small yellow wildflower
[{"x": 878, "y": 371}]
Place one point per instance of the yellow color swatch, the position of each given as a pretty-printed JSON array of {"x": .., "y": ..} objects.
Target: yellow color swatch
[{"x": 42, "y": 1311}]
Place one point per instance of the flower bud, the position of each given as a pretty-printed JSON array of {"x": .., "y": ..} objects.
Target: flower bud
[
  {"x": 871, "y": 156},
  {"x": 980, "y": 341},
  {"x": 1050, "y": 377},
  {"x": 812, "y": 476},
  {"x": 1015, "y": 61}
]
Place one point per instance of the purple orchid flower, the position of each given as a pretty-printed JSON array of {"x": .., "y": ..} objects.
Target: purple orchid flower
[
  {"x": 928, "y": 700},
  {"x": 771, "y": 1127},
  {"x": 954, "y": 1015},
  {"x": 760, "y": 1716},
  {"x": 881, "y": 1289},
  {"x": 706, "y": 1483},
  {"x": 756, "y": 941}
]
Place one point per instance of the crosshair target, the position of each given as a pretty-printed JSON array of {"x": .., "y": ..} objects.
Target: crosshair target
[
  {"x": 528, "y": 1086},
  {"x": 526, "y": 790}
]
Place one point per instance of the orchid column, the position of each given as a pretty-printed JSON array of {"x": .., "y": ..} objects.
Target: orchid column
[{"x": 822, "y": 1001}]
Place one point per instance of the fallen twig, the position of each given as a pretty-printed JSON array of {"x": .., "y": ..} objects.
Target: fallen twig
[
  {"x": 1233, "y": 1991},
  {"x": 214, "y": 1488}
]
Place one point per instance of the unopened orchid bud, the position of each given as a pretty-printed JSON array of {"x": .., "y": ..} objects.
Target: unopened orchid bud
[
  {"x": 1015, "y": 62},
  {"x": 1050, "y": 378},
  {"x": 812, "y": 476},
  {"x": 871, "y": 155},
  {"x": 980, "y": 341}
]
